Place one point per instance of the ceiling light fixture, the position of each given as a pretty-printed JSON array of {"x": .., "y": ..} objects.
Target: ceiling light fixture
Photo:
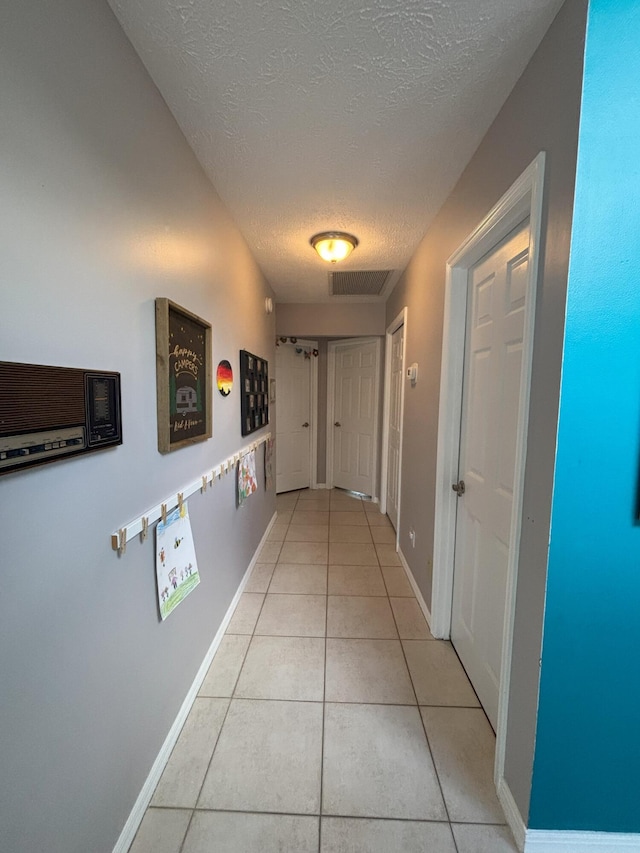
[{"x": 334, "y": 246}]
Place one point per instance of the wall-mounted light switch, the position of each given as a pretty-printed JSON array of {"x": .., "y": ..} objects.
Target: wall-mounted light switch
[{"x": 412, "y": 373}]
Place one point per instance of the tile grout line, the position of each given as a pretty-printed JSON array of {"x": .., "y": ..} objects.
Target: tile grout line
[
  {"x": 298, "y": 506},
  {"x": 190, "y": 821},
  {"x": 291, "y": 522},
  {"x": 342, "y": 701},
  {"x": 333, "y": 815},
  {"x": 424, "y": 729},
  {"x": 204, "y": 778},
  {"x": 324, "y": 705},
  {"x": 319, "y": 815},
  {"x": 206, "y": 773}
]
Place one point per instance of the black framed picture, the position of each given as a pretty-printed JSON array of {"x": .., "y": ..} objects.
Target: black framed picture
[{"x": 254, "y": 378}]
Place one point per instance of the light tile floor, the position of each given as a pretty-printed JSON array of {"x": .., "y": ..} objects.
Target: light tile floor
[{"x": 330, "y": 719}]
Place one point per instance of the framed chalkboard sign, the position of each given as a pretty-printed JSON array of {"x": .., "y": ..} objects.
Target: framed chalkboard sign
[
  {"x": 183, "y": 376},
  {"x": 254, "y": 392}
]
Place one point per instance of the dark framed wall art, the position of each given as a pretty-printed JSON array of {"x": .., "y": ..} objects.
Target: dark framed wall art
[
  {"x": 254, "y": 392},
  {"x": 183, "y": 376}
]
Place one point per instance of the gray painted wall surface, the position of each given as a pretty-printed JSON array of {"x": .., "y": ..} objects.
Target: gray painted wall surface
[
  {"x": 330, "y": 320},
  {"x": 104, "y": 207},
  {"x": 541, "y": 114}
]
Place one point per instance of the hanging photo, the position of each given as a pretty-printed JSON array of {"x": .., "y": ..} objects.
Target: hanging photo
[
  {"x": 176, "y": 566},
  {"x": 268, "y": 464},
  {"x": 247, "y": 480},
  {"x": 224, "y": 378}
]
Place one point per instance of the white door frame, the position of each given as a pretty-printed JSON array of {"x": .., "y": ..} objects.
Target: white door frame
[
  {"x": 313, "y": 392},
  {"x": 331, "y": 396},
  {"x": 400, "y": 320},
  {"x": 522, "y": 200}
]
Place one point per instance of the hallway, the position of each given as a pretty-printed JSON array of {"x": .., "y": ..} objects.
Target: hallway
[{"x": 330, "y": 719}]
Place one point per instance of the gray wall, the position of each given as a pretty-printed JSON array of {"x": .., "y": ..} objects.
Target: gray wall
[
  {"x": 541, "y": 114},
  {"x": 104, "y": 207},
  {"x": 348, "y": 320}
]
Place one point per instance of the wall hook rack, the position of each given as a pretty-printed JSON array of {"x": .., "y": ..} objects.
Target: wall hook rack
[{"x": 140, "y": 526}]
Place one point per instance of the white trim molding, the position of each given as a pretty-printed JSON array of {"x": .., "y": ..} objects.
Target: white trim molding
[
  {"x": 568, "y": 841},
  {"x": 144, "y": 797},
  {"x": 511, "y": 813},
  {"x": 398, "y": 321},
  {"x": 523, "y": 200},
  {"x": 561, "y": 841}
]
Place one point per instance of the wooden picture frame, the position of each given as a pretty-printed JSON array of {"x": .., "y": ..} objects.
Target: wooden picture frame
[
  {"x": 254, "y": 405},
  {"x": 183, "y": 377}
]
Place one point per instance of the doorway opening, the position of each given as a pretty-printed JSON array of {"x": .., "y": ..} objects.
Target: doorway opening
[
  {"x": 521, "y": 202},
  {"x": 392, "y": 419},
  {"x": 297, "y": 415},
  {"x": 353, "y": 392}
]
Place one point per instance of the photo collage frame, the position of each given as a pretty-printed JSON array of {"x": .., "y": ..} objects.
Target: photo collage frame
[{"x": 254, "y": 392}]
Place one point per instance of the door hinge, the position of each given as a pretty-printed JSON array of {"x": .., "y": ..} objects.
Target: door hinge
[{"x": 459, "y": 488}]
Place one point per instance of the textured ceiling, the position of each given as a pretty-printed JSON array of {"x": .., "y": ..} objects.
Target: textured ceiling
[{"x": 314, "y": 115}]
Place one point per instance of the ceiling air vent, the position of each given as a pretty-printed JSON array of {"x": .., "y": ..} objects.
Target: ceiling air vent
[{"x": 366, "y": 283}]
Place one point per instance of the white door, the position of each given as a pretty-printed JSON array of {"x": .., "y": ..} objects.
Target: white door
[
  {"x": 293, "y": 418},
  {"x": 497, "y": 290},
  {"x": 395, "y": 425},
  {"x": 355, "y": 412}
]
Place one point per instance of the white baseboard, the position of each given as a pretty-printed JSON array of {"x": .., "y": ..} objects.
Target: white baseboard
[
  {"x": 144, "y": 798},
  {"x": 566, "y": 841},
  {"x": 561, "y": 841},
  {"x": 511, "y": 813},
  {"x": 415, "y": 587},
  {"x": 320, "y": 486},
  {"x": 541, "y": 840}
]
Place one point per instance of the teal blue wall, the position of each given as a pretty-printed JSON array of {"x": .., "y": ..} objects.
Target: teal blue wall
[{"x": 587, "y": 760}]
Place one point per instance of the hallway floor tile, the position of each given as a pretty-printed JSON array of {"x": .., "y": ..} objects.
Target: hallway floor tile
[
  {"x": 330, "y": 719},
  {"x": 367, "y": 671}
]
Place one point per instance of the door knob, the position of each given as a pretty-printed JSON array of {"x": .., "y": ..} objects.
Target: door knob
[
  {"x": 337, "y": 423},
  {"x": 305, "y": 424},
  {"x": 459, "y": 488}
]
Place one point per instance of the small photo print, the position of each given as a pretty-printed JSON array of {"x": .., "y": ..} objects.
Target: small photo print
[
  {"x": 255, "y": 385},
  {"x": 252, "y": 401},
  {"x": 248, "y": 424},
  {"x": 262, "y": 388},
  {"x": 259, "y": 366},
  {"x": 247, "y": 386},
  {"x": 249, "y": 363}
]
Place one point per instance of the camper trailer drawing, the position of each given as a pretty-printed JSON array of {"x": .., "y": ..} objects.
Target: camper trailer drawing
[{"x": 186, "y": 400}]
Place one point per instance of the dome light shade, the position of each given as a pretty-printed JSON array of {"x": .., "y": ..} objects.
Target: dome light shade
[{"x": 334, "y": 246}]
